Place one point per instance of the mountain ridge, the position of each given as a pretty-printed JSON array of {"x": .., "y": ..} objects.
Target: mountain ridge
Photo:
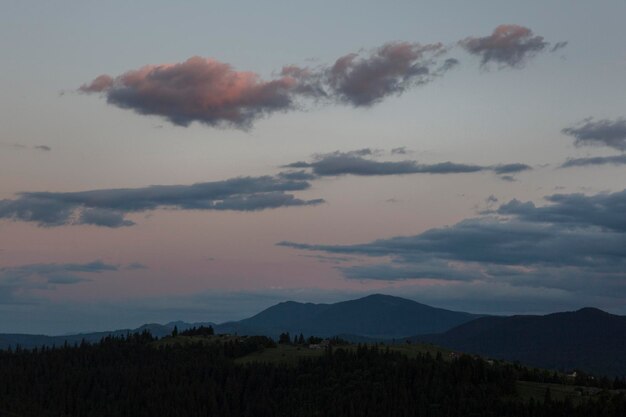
[
  {"x": 376, "y": 316},
  {"x": 589, "y": 339}
]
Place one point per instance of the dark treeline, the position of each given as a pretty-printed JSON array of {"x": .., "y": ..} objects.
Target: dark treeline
[
  {"x": 195, "y": 331},
  {"x": 135, "y": 377},
  {"x": 285, "y": 339},
  {"x": 580, "y": 378}
]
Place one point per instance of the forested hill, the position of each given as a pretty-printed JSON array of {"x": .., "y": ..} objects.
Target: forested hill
[
  {"x": 27, "y": 341},
  {"x": 588, "y": 339},
  {"x": 203, "y": 376}
]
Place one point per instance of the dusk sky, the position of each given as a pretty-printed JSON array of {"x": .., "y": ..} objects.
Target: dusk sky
[{"x": 201, "y": 161}]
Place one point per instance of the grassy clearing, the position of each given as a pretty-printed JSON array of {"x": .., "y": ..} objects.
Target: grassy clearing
[
  {"x": 559, "y": 392},
  {"x": 281, "y": 354},
  {"x": 188, "y": 340},
  {"x": 415, "y": 349},
  {"x": 291, "y": 354}
]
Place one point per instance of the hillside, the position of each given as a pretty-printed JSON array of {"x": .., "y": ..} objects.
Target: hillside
[
  {"x": 220, "y": 375},
  {"x": 587, "y": 339}
]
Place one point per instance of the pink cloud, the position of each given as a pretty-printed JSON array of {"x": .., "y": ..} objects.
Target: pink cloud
[
  {"x": 199, "y": 89},
  {"x": 214, "y": 93},
  {"x": 508, "y": 45},
  {"x": 100, "y": 84}
]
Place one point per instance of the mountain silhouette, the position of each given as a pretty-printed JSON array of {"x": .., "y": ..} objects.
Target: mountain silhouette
[
  {"x": 375, "y": 316},
  {"x": 588, "y": 339}
]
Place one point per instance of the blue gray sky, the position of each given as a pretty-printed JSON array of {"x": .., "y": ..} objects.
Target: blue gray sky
[{"x": 202, "y": 161}]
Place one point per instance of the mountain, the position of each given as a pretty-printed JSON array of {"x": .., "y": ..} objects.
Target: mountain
[
  {"x": 588, "y": 339},
  {"x": 373, "y": 317},
  {"x": 376, "y": 316}
]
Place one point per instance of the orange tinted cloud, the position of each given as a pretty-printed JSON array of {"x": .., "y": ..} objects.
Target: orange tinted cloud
[
  {"x": 200, "y": 89},
  {"x": 508, "y": 45},
  {"x": 214, "y": 93}
]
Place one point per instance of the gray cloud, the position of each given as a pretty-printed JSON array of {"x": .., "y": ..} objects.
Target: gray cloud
[
  {"x": 400, "y": 151},
  {"x": 386, "y": 272},
  {"x": 559, "y": 45},
  {"x": 508, "y": 45},
  {"x": 604, "y": 210},
  {"x": 355, "y": 163},
  {"x": 486, "y": 240},
  {"x": 510, "y": 168},
  {"x": 44, "y": 148},
  {"x": 604, "y": 132},
  {"x": 14, "y": 145},
  {"x": 596, "y": 160},
  {"x": 575, "y": 244},
  {"x": 211, "y": 92},
  {"x": 103, "y": 217},
  {"x": 108, "y": 208},
  {"x": 391, "y": 69},
  {"x": 300, "y": 175},
  {"x": 16, "y": 282}
]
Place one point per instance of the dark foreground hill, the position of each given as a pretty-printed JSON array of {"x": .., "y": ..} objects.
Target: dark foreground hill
[
  {"x": 587, "y": 339},
  {"x": 195, "y": 376}
]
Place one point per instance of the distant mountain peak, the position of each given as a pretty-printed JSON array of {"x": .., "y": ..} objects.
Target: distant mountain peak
[
  {"x": 375, "y": 316},
  {"x": 591, "y": 311},
  {"x": 379, "y": 296}
]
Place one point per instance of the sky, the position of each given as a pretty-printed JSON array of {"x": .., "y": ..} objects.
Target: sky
[{"x": 202, "y": 161}]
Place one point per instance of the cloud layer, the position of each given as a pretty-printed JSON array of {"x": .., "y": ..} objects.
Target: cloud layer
[
  {"x": 108, "y": 208},
  {"x": 595, "y": 160},
  {"x": 604, "y": 132},
  {"x": 44, "y": 148},
  {"x": 574, "y": 244},
  {"x": 508, "y": 45},
  {"x": 605, "y": 211},
  {"x": 361, "y": 163},
  {"x": 211, "y": 92},
  {"x": 18, "y": 281}
]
